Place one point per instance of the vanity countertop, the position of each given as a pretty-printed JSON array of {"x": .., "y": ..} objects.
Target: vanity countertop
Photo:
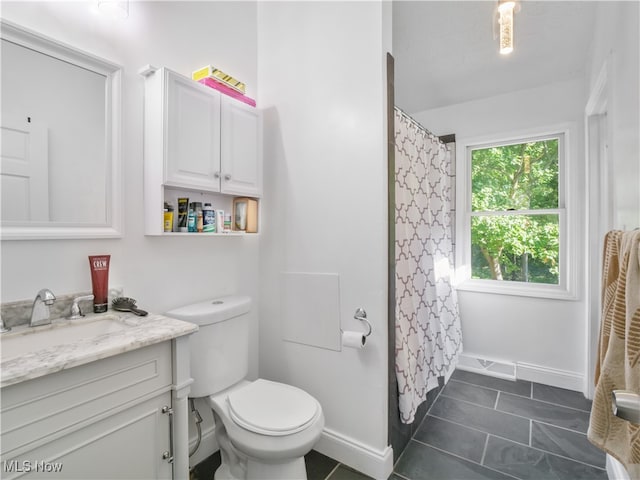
[{"x": 138, "y": 332}]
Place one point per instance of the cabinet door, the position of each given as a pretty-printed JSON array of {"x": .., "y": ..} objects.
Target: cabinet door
[
  {"x": 192, "y": 134},
  {"x": 241, "y": 149},
  {"x": 127, "y": 445}
]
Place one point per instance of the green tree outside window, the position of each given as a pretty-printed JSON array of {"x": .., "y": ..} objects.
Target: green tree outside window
[{"x": 510, "y": 239}]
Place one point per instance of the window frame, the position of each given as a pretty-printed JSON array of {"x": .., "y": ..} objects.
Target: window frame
[{"x": 567, "y": 148}]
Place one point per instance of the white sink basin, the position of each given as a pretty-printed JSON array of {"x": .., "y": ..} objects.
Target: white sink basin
[{"x": 31, "y": 340}]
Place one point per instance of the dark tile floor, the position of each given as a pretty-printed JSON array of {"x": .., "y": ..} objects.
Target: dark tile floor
[{"x": 487, "y": 428}]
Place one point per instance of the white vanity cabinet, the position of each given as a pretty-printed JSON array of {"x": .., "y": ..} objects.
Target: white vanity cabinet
[
  {"x": 197, "y": 140},
  {"x": 112, "y": 418}
]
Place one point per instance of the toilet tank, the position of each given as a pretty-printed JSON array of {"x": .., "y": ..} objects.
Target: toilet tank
[{"x": 220, "y": 347}]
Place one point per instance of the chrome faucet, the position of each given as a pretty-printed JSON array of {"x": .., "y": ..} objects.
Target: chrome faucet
[{"x": 40, "y": 312}]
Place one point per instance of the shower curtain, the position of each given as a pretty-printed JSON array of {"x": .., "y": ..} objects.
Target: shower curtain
[{"x": 428, "y": 335}]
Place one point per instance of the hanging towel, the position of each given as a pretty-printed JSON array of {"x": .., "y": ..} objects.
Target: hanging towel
[{"x": 618, "y": 366}]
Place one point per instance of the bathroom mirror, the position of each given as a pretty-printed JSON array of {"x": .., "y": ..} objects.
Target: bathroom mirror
[{"x": 60, "y": 172}]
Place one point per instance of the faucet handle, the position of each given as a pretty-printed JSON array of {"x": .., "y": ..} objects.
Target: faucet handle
[
  {"x": 46, "y": 296},
  {"x": 75, "y": 307}
]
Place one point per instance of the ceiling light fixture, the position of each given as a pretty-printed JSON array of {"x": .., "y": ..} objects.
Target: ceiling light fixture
[{"x": 505, "y": 22}]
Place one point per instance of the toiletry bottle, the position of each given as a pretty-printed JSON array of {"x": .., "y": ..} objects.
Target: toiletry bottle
[
  {"x": 220, "y": 220},
  {"x": 240, "y": 207},
  {"x": 191, "y": 218},
  {"x": 168, "y": 217},
  {"x": 208, "y": 218},
  {"x": 199, "y": 218},
  {"x": 227, "y": 222},
  {"x": 183, "y": 213},
  {"x": 99, "y": 265}
]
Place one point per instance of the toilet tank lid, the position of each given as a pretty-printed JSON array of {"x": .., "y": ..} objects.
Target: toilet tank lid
[{"x": 212, "y": 311}]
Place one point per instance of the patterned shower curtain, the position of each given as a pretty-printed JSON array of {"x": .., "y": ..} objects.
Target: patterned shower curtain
[{"x": 428, "y": 335}]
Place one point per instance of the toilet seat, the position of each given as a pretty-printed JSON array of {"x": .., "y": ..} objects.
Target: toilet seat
[{"x": 271, "y": 408}]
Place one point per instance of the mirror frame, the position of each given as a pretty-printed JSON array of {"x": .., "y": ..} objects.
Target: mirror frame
[{"x": 113, "y": 227}]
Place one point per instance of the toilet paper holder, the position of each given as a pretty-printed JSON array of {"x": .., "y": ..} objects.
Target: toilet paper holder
[{"x": 361, "y": 315}]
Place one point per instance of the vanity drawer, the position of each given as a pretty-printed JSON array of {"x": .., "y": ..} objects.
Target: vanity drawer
[{"x": 43, "y": 409}]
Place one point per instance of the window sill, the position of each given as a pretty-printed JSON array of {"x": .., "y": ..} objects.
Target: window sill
[{"x": 557, "y": 292}]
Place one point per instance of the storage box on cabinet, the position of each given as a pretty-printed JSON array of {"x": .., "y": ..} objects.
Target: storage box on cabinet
[{"x": 198, "y": 140}]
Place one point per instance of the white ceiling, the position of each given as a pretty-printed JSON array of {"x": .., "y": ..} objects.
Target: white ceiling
[{"x": 446, "y": 52}]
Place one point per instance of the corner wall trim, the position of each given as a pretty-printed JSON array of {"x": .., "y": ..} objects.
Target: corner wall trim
[
  {"x": 550, "y": 376},
  {"x": 375, "y": 463}
]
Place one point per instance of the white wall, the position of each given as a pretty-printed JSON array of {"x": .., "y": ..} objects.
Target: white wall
[
  {"x": 160, "y": 273},
  {"x": 549, "y": 334},
  {"x": 614, "y": 89},
  {"x": 321, "y": 78},
  {"x": 616, "y": 48}
]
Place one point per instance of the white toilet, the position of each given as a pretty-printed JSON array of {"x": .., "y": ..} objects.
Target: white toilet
[{"x": 264, "y": 428}]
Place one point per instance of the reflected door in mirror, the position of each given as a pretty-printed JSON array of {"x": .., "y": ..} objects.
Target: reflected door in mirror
[{"x": 24, "y": 171}]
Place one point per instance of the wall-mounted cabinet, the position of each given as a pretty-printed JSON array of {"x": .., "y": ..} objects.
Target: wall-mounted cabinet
[{"x": 196, "y": 140}]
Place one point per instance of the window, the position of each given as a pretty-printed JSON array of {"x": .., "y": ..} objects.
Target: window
[{"x": 513, "y": 231}]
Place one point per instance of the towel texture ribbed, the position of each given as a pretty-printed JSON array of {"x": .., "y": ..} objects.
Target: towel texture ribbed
[{"x": 618, "y": 366}]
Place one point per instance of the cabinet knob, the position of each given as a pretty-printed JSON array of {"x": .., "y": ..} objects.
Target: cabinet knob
[
  {"x": 75, "y": 308},
  {"x": 227, "y": 177},
  {"x": 216, "y": 175}
]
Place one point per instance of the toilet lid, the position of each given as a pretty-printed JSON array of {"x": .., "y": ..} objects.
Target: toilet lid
[{"x": 271, "y": 408}]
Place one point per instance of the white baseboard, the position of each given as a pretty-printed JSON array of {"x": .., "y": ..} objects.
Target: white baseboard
[
  {"x": 374, "y": 463},
  {"x": 550, "y": 376},
  {"x": 471, "y": 362}
]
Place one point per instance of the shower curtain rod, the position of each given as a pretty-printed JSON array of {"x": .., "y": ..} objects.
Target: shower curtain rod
[
  {"x": 443, "y": 138},
  {"x": 451, "y": 138}
]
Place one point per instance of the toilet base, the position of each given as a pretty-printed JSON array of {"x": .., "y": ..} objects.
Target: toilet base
[
  {"x": 291, "y": 470},
  {"x": 294, "y": 469},
  {"x": 253, "y": 456},
  {"x": 223, "y": 473},
  {"x": 238, "y": 466}
]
